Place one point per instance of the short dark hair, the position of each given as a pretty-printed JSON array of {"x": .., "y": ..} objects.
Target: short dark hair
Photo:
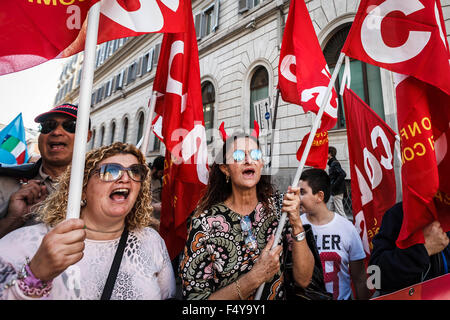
[
  {"x": 158, "y": 163},
  {"x": 332, "y": 151},
  {"x": 318, "y": 180}
]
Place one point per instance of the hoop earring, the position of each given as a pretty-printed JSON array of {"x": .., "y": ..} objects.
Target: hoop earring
[{"x": 83, "y": 203}]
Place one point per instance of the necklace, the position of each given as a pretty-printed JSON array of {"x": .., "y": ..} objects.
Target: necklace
[{"x": 114, "y": 231}]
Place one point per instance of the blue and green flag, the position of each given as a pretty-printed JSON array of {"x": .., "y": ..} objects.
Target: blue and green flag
[{"x": 13, "y": 146}]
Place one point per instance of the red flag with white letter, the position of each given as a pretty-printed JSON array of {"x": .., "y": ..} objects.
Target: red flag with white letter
[
  {"x": 371, "y": 144},
  {"x": 304, "y": 75},
  {"x": 408, "y": 37},
  {"x": 33, "y": 32},
  {"x": 180, "y": 109}
]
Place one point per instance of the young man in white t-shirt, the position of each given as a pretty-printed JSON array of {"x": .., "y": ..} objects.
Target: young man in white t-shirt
[{"x": 340, "y": 247}]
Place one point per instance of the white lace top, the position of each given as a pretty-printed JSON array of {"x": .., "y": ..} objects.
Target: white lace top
[{"x": 145, "y": 271}]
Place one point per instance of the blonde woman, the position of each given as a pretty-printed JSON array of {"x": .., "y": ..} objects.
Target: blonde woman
[{"x": 72, "y": 259}]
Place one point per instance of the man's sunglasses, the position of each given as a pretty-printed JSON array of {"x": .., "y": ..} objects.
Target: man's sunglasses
[
  {"x": 110, "y": 172},
  {"x": 49, "y": 125},
  {"x": 239, "y": 155}
]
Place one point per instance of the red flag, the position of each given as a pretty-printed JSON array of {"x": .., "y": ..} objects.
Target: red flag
[
  {"x": 36, "y": 31},
  {"x": 434, "y": 289},
  {"x": 304, "y": 75},
  {"x": 408, "y": 37},
  {"x": 180, "y": 109},
  {"x": 318, "y": 154},
  {"x": 371, "y": 144}
]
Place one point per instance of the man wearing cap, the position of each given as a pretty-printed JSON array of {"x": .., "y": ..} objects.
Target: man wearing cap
[{"x": 23, "y": 186}]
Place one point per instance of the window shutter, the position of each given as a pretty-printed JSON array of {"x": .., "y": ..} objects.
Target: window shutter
[
  {"x": 93, "y": 99},
  {"x": 203, "y": 26},
  {"x": 128, "y": 75},
  {"x": 150, "y": 60},
  {"x": 119, "y": 80},
  {"x": 99, "y": 94},
  {"x": 115, "y": 45},
  {"x": 243, "y": 5},
  {"x": 156, "y": 54},
  {"x": 97, "y": 58},
  {"x": 102, "y": 54},
  {"x": 107, "y": 45},
  {"x": 197, "y": 23},
  {"x": 139, "y": 67},
  {"x": 216, "y": 14}
]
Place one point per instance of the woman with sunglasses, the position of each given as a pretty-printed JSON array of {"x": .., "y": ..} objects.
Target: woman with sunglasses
[
  {"x": 228, "y": 253},
  {"x": 72, "y": 259}
]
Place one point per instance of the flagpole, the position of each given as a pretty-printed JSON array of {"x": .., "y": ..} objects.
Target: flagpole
[
  {"x": 148, "y": 131},
  {"x": 272, "y": 138},
  {"x": 305, "y": 156},
  {"x": 82, "y": 126}
]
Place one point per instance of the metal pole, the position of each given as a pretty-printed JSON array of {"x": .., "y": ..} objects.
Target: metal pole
[
  {"x": 305, "y": 156},
  {"x": 272, "y": 138},
  {"x": 82, "y": 126},
  {"x": 148, "y": 131}
]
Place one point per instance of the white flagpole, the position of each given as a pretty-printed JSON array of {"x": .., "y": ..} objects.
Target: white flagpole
[
  {"x": 305, "y": 156},
  {"x": 148, "y": 130},
  {"x": 82, "y": 127}
]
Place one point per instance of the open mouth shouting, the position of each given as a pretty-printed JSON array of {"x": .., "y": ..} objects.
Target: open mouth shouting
[
  {"x": 119, "y": 194},
  {"x": 248, "y": 173},
  {"x": 57, "y": 146}
]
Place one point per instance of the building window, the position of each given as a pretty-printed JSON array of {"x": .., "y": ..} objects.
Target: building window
[
  {"x": 140, "y": 127},
  {"x": 208, "y": 98},
  {"x": 93, "y": 139},
  {"x": 207, "y": 21},
  {"x": 259, "y": 90},
  {"x": 132, "y": 71},
  {"x": 147, "y": 62},
  {"x": 113, "y": 132},
  {"x": 119, "y": 80},
  {"x": 245, "y": 5},
  {"x": 156, "y": 52},
  {"x": 102, "y": 135},
  {"x": 125, "y": 130},
  {"x": 365, "y": 78}
]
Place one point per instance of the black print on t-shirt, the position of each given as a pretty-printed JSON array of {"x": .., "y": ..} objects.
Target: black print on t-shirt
[{"x": 329, "y": 242}]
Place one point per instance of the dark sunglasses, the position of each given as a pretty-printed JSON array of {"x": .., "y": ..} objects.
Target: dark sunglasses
[
  {"x": 49, "y": 125},
  {"x": 239, "y": 155},
  {"x": 110, "y": 172},
  {"x": 250, "y": 240}
]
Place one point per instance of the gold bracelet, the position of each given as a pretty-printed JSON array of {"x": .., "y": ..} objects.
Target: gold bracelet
[{"x": 238, "y": 287}]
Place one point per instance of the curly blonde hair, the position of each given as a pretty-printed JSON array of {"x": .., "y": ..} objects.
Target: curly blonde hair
[{"x": 53, "y": 209}]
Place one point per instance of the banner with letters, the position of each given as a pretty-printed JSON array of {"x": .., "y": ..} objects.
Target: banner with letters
[
  {"x": 33, "y": 32},
  {"x": 304, "y": 77},
  {"x": 371, "y": 144},
  {"x": 180, "y": 126},
  {"x": 409, "y": 38}
]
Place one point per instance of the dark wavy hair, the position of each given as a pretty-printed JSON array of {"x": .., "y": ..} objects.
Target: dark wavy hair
[{"x": 218, "y": 190}]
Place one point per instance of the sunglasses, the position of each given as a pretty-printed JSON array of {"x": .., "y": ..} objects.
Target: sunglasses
[
  {"x": 49, "y": 125},
  {"x": 239, "y": 155},
  {"x": 250, "y": 240},
  {"x": 110, "y": 172}
]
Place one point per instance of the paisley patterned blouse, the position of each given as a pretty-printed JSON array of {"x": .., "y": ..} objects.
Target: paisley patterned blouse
[{"x": 216, "y": 255}]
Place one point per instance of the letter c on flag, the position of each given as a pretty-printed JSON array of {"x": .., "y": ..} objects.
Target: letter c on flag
[
  {"x": 373, "y": 42},
  {"x": 148, "y": 18},
  {"x": 285, "y": 67},
  {"x": 174, "y": 86}
]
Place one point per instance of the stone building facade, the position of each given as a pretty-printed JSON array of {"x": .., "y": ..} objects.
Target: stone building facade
[{"x": 239, "y": 43}]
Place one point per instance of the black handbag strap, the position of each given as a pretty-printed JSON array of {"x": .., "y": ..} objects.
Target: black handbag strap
[{"x": 111, "y": 280}]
